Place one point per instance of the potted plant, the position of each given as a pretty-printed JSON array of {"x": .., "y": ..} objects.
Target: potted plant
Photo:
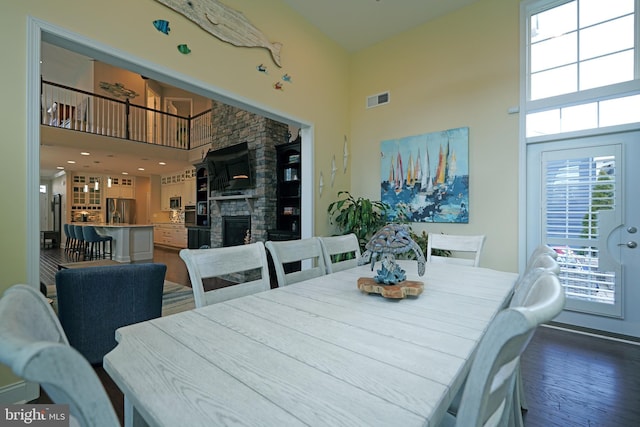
[{"x": 360, "y": 216}]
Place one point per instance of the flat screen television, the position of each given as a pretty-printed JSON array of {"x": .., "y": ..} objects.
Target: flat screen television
[{"x": 230, "y": 168}]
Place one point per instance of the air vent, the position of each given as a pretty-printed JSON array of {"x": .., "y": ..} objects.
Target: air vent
[{"x": 376, "y": 100}]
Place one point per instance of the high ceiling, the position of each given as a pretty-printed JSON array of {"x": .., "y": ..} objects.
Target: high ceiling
[
  {"x": 353, "y": 24},
  {"x": 357, "y": 24}
]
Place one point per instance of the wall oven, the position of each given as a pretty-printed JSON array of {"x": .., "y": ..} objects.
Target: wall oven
[{"x": 190, "y": 215}]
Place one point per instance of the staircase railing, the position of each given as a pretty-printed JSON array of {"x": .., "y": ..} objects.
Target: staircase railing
[{"x": 75, "y": 109}]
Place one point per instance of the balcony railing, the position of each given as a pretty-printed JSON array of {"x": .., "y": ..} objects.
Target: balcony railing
[{"x": 75, "y": 109}]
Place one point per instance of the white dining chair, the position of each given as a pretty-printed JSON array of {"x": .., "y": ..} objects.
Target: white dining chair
[
  {"x": 340, "y": 252},
  {"x": 36, "y": 349},
  {"x": 286, "y": 252},
  {"x": 540, "y": 262},
  {"x": 245, "y": 265},
  {"x": 465, "y": 250},
  {"x": 487, "y": 398},
  {"x": 541, "y": 250}
]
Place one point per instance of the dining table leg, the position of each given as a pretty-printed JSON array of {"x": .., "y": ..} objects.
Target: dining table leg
[{"x": 132, "y": 417}]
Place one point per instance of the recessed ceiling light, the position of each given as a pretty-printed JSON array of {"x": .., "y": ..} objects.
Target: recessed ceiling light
[
  {"x": 71, "y": 161},
  {"x": 140, "y": 169},
  {"x": 60, "y": 167},
  {"x": 162, "y": 163},
  {"x": 125, "y": 173},
  {"x": 84, "y": 153}
]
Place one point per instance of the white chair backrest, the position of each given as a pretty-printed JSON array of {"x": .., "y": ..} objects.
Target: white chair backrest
[
  {"x": 542, "y": 262},
  {"x": 35, "y": 348},
  {"x": 541, "y": 250},
  {"x": 288, "y": 251},
  {"x": 457, "y": 244},
  {"x": 227, "y": 263},
  {"x": 489, "y": 387},
  {"x": 338, "y": 247}
]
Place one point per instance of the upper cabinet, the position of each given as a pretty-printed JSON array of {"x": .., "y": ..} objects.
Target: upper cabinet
[
  {"x": 179, "y": 184},
  {"x": 120, "y": 188}
]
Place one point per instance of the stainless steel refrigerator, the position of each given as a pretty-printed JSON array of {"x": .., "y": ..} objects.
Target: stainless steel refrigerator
[{"x": 121, "y": 211}]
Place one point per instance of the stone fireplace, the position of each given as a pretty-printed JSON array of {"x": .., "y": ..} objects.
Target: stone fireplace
[{"x": 255, "y": 207}]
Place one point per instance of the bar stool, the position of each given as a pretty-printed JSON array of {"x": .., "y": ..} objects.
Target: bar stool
[
  {"x": 67, "y": 242},
  {"x": 93, "y": 240},
  {"x": 104, "y": 239},
  {"x": 72, "y": 242},
  {"x": 81, "y": 246}
]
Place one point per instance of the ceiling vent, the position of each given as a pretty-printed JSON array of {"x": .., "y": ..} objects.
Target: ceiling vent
[{"x": 378, "y": 99}]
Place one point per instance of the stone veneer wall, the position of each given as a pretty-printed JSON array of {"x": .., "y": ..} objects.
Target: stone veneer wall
[{"x": 232, "y": 126}]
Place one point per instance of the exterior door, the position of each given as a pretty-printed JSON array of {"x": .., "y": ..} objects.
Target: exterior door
[{"x": 580, "y": 198}]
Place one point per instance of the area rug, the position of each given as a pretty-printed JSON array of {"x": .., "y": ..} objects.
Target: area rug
[{"x": 175, "y": 298}]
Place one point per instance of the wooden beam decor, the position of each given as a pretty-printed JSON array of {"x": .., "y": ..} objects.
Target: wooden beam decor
[{"x": 225, "y": 23}]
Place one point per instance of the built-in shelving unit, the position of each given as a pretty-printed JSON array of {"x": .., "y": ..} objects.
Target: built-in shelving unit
[
  {"x": 202, "y": 195},
  {"x": 289, "y": 188}
]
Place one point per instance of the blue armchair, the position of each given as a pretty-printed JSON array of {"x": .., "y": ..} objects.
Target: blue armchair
[{"x": 95, "y": 301}]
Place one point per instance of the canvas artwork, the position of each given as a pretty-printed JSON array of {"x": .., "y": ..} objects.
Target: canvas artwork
[{"x": 428, "y": 175}]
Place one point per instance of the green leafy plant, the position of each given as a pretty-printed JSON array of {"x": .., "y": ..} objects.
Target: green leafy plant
[{"x": 360, "y": 216}]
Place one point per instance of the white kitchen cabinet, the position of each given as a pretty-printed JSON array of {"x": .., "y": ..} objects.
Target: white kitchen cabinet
[
  {"x": 174, "y": 235},
  {"x": 121, "y": 188},
  {"x": 179, "y": 184}
]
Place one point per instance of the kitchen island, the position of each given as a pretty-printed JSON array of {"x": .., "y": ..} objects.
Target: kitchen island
[{"x": 131, "y": 242}]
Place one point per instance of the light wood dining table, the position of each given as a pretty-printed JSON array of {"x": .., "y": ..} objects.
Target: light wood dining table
[{"x": 316, "y": 353}]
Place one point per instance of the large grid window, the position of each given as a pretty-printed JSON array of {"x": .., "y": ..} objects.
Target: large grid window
[{"x": 581, "y": 58}]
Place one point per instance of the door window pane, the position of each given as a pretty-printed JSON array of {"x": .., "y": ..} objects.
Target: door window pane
[{"x": 576, "y": 190}]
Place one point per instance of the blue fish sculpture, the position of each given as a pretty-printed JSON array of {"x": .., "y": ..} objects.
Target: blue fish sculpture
[
  {"x": 162, "y": 26},
  {"x": 286, "y": 78}
]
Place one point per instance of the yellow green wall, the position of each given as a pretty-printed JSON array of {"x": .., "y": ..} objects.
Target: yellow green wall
[
  {"x": 461, "y": 70},
  {"x": 318, "y": 94},
  {"x": 458, "y": 71}
]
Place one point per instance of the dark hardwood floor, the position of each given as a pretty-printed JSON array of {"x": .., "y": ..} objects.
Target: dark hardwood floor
[
  {"x": 570, "y": 379},
  {"x": 573, "y": 379}
]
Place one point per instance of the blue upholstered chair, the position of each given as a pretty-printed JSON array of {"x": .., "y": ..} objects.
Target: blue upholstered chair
[
  {"x": 94, "y": 301},
  {"x": 35, "y": 347}
]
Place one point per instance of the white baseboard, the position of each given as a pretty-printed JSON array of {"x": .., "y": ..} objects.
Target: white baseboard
[{"x": 20, "y": 392}]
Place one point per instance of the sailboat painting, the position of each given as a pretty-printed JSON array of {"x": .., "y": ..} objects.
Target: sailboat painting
[{"x": 433, "y": 184}]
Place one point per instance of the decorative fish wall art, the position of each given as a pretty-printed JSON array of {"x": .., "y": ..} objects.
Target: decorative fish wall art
[
  {"x": 162, "y": 26},
  {"x": 225, "y": 23}
]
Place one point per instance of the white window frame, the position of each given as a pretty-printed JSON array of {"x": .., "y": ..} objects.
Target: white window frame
[{"x": 527, "y": 106}]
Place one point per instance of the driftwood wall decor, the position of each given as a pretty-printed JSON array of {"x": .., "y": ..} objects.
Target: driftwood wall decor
[{"x": 225, "y": 23}]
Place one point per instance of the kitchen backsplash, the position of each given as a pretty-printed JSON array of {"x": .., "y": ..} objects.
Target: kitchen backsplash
[{"x": 176, "y": 216}]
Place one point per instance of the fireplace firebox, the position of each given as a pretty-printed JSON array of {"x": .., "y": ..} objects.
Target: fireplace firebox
[{"x": 236, "y": 230}]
